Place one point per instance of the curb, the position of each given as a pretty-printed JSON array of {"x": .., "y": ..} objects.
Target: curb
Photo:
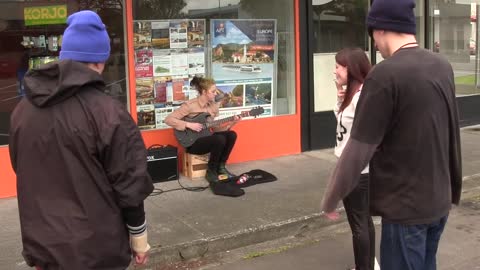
[
  {"x": 162, "y": 255},
  {"x": 221, "y": 243}
]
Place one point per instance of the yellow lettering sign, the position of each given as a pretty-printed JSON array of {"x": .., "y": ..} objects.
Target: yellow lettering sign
[{"x": 45, "y": 15}]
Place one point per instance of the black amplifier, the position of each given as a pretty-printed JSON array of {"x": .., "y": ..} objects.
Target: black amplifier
[{"x": 162, "y": 162}]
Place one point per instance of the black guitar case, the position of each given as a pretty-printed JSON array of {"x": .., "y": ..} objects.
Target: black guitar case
[{"x": 251, "y": 178}]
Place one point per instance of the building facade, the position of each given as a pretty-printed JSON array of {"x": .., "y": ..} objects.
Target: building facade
[{"x": 277, "y": 55}]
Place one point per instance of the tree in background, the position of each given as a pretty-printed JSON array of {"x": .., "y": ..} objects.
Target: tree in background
[{"x": 159, "y": 9}]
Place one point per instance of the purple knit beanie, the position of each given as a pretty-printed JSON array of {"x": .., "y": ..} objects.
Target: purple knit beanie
[
  {"x": 85, "y": 39},
  {"x": 392, "y": 15}
]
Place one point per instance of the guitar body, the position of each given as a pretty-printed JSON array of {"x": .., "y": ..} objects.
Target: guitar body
[{"x": 187, "y": 137}]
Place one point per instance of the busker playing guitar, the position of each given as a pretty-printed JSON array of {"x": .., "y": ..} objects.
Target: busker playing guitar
[{"x": 220, "y": 143}]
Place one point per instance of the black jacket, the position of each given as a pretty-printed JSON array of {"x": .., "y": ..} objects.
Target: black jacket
[{"x": 79, "y": 159}]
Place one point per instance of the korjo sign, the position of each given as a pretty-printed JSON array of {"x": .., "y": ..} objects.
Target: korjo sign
[{"x": 45, "y": 15}]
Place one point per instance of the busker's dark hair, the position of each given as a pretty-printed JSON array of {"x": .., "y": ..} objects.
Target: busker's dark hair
[
  {"x": 201, "y": 84},
  {"x": 358, "y": 66}
]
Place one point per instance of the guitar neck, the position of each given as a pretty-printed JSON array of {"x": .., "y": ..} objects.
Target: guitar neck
[{"x": 221, "y": 121}]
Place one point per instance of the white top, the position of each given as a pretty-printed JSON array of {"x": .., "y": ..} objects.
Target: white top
[{"x": 345, "y": 123}]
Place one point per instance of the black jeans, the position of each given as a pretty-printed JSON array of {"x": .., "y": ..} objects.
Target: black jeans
[
  {"x": 219, "y": 145},
  {"x": 363, "y": 231}
]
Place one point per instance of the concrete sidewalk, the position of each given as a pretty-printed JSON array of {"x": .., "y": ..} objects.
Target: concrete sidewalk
[{"x": 185, "y": 224}]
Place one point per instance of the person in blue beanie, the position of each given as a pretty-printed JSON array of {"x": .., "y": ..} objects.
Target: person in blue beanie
[
  {"x": 406, "y": 128},
  {"x": 80, "y": 161}
]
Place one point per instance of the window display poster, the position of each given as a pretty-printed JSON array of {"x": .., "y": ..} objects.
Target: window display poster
[
  {"x": 142, "y": 34},
  {"x": 243, "y": 49},
  {"x": 180, "y": 88},
  {"x": 161, "y": 114},
  {"x": 233, "y": 95},
  {"x": 161, "y": 34},
  {"x": 244, "y": 95},
  {"x": 236, "y": 111},
  {"x": 144, "y": 91},
  {"x": 143, "y": 63},
  {"x": 162, "y": 63},
  {"x": 146, "y": 116},
  {"x": 168, "y": 53},
  {"x": 196, "y": 33},
  {"x": 178, "y": 34},
  {"x": 196, "y": 61},
  {"x": 179, "y": 64},
  {"x": 160, "y": 88}
]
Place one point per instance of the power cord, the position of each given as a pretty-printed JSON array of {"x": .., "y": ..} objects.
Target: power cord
[{"x": 159, "y": 191}]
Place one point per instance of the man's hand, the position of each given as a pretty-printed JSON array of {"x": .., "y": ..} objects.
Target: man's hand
[
  {"x": 332, "y": 215},
  {"x": 141, "y": 258},
  {"x": 194, "y": 126}
]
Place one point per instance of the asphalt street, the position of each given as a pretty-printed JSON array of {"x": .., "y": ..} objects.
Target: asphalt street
[{"x": 331, "y": 249}]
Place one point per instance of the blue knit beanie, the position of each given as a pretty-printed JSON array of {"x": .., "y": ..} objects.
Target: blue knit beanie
[
  {"x": 392, "y": 15},
  {"x": 85, "y": 39}
]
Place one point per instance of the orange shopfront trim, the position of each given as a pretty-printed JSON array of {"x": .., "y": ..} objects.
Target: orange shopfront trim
[{"x": 258, "y": 139}]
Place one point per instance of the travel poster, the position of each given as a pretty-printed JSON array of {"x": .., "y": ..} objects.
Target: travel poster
[{"x": 243, "y": 49}]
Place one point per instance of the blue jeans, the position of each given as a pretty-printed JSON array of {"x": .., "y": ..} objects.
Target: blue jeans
[{"x": 410, "y": 247}]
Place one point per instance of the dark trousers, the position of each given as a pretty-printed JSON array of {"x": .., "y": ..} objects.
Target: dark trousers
[
  {"x": 219, "y": 145},
  {"x": 410, "y": 247},
  {"x": 363, "y": 231}
]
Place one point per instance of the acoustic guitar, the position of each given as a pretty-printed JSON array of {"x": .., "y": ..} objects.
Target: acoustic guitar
[{"x": 187, "y": 137}]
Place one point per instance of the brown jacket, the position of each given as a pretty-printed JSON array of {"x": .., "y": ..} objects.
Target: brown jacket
[{"x": 79, "y": 160}]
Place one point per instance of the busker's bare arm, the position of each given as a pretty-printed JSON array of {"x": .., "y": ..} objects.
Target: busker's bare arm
[{"x": 355, "y": 157}]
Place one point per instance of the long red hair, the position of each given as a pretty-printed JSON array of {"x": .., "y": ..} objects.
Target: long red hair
[{"x": 358, "y": 66}]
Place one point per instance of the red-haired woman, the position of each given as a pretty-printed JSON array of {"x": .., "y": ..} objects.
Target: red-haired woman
[{"x": 351, "y": 68}]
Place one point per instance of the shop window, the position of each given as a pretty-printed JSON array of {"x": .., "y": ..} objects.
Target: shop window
[
  {"x": 454, "y": 34},
  {"x": 246, "y": 46},
  {"x": 336, "y": 24},
  {"x": 27, "y": 43}
]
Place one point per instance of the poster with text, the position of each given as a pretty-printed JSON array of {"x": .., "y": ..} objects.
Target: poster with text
[
  {"x": 196, "y": 61},
  {"x": 168, "y": 53},
  {"x": 243, "y": 49},
  {"x": 179, "y": 63},
  {"x": 161, "y": 114},
  {"x": 143, "y": 63},
  {"x": 162, "y": 63},
  {"x": 178, "y": 34}
]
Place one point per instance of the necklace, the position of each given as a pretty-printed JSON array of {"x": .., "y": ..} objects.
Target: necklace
[{"x": 406, "y": 44}]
